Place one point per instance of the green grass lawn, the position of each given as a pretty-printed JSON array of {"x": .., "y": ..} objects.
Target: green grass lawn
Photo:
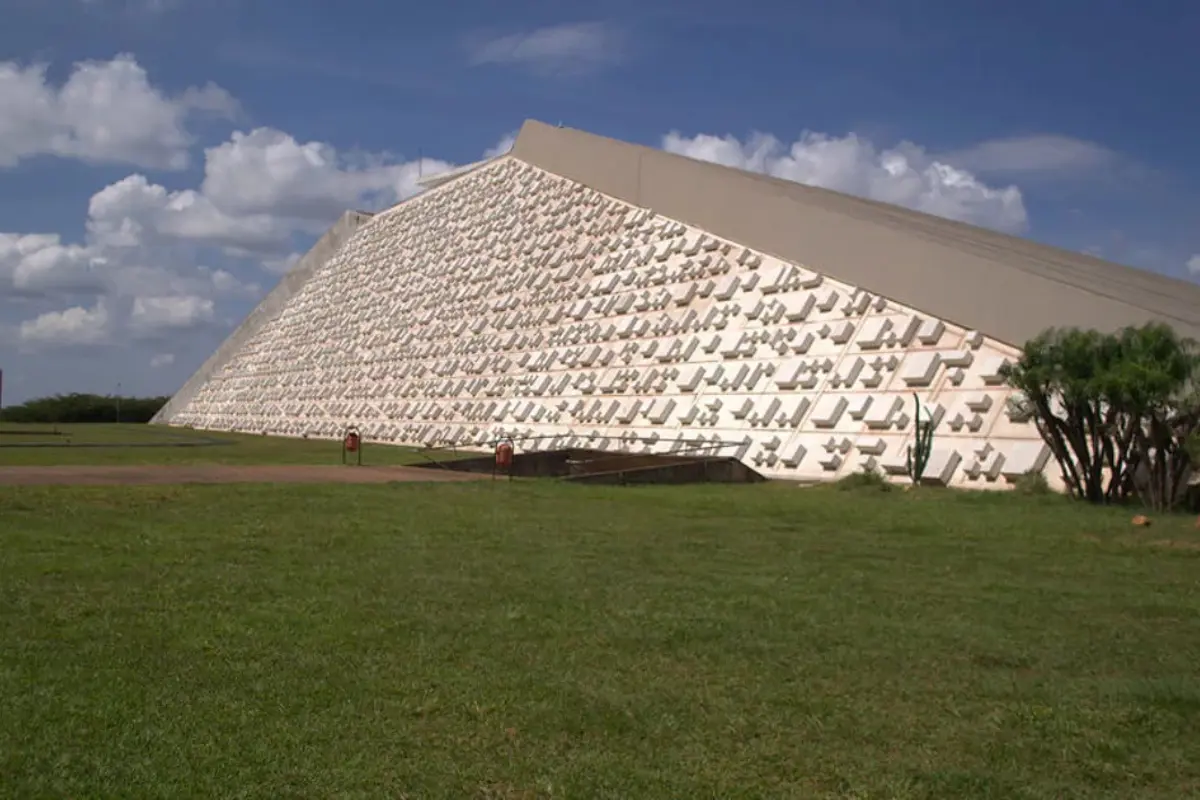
[
  {"x": 550, "y": 640},
  {"x": 233, "y": 448}
]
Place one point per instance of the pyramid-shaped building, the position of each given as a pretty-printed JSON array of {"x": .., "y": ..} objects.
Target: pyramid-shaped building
[{"x": 584, "y": 292}]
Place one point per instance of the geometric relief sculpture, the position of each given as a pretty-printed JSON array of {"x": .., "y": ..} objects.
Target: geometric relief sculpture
[{"x": 513, "y": 301}]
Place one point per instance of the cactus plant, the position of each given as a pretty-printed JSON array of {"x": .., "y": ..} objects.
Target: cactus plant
[{"x": 918, "y": 452}]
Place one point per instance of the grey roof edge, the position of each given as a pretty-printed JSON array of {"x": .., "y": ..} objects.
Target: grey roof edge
[
  {"x": 454, "y": 173},
  {"x": 268, "y": 308},
  {"x": 439, "y": 181},
  {"x": 1004, "y": 286}
]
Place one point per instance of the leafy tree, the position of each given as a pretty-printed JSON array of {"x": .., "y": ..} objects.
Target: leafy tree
[
  {"x": 1117, "y": 410},
  {"x": 1154, "y": 380}
]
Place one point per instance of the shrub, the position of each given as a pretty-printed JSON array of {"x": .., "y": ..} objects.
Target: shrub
[
  {"x": 1032, "y": 483},
  {"x": 868, "y": 478}
]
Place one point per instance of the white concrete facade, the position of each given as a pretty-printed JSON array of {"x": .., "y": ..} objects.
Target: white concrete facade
[{"x": 513, "y": 301}]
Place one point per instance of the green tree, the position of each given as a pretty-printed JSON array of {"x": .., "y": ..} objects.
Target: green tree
[{"x": 1117, "y": 410}]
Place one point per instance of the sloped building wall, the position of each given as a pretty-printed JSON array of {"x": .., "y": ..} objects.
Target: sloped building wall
[
  {"x": 270, "y": 306},
  {"x": 514, "y": 301}
]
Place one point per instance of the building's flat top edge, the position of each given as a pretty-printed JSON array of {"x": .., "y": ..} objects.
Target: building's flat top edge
[
  {"x": 439, "y": 178},
  {"x": 574, "y": 154},
  {"x": 840, "y": 201}
]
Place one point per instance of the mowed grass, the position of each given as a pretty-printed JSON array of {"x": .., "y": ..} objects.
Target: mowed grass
[
  {"x": 545, "y": 640},
  {"x": 107, "y": 444}
]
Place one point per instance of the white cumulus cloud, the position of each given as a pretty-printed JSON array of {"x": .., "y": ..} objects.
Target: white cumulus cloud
[
  {"x": 1193, "y": 264},
  {"x": 160, "y": 360},
  {"x": 261, "y": 190},
  {"x": 267, "y": 171},
  {"x": 105, "y": 112},
  {"x": 903, "y": 175},
  {"x": 134, "y": 212},
  {"x": 34, "y": 264},
  {"x": 121, "y": 264},
  {"x": 166, "y": 313},
  {"x": 75, "y": 326}
]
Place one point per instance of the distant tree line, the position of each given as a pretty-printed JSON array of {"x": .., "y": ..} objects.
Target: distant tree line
[{"x": 81, "y": 408}]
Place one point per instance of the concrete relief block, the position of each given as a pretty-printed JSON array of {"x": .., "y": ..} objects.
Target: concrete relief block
[
  {"x": 749, "y": 259},
  {"x": 873, "y": 333},
  {"x": 857, "y": 406},
  {"x": 857, "y": 304},
  {"x": 791, "y": 373},
  {"x": 883, "y": 413},
  {"x": 943, "y": 462},
  {"x": 803, "y": 342},
  {"x": 840, "y": 332},
  {"x": 931, "y": 331},
  {"x": 828, "y": 410},
  {"x": 989, "y": 368},
  {"x": 792, "y": 412},
  {"x": 1024, "y": 457},
  {"x": 973, "y": 340},
  {"x": 920, "y": 368},
  {"x": 848, "y": 373}
]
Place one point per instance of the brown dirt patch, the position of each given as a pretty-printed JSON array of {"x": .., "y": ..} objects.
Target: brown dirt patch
[{"x": 219, "y": 473}]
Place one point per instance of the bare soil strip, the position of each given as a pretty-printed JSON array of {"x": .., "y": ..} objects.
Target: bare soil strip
[{"x": 220, "y": 473}]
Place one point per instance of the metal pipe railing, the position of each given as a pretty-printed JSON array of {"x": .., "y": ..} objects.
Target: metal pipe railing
[{"x": 697, "y": 447}]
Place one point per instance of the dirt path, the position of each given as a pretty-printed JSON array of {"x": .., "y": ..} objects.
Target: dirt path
[{"x": 221, "y": 473}]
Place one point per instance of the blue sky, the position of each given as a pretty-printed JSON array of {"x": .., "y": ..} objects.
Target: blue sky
[{"x": 163, "y": 161}]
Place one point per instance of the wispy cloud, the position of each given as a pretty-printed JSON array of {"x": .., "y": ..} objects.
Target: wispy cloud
[
  {"x": 1039, "y": 154},
  {"x": 258, "y": 54},
  {"x": 575, "y": 48},
  {"x": 136, "y": 6},
  {"x": 1141, "y": 251}
]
